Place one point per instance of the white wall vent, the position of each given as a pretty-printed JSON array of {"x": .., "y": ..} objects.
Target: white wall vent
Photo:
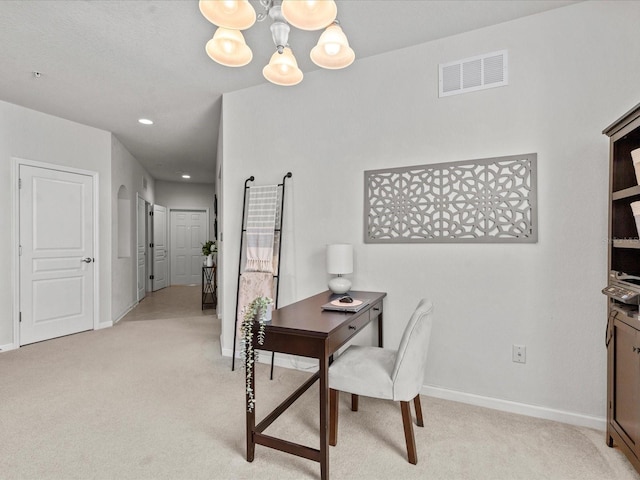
[{"x": 474, "y": 73}]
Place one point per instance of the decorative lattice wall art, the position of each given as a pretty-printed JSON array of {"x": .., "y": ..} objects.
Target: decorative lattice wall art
[{"x": 477, "y": 201}]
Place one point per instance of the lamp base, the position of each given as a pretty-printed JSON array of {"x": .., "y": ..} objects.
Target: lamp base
[{"x": 339, "y": 285}]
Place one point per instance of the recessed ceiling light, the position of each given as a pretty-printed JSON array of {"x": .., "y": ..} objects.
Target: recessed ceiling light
[
  {"x": 186, "y": 176},
  {"x": 145, "y": 121}
]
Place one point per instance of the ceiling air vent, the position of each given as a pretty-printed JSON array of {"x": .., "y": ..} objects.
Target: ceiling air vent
[{"x": 474, "y": 73}]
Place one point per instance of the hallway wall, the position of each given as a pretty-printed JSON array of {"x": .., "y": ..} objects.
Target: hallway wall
[
  {"x": 127, "y": 171},
  {"x": 31, "y": 135}
]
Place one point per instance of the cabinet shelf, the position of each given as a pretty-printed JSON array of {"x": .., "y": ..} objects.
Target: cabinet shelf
[
  {"x": 626, "y": 193},
  {"x": 626, "y": 243}
]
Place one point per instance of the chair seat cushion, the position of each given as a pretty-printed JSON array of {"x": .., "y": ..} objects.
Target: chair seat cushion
[{"x": 364, "y": 371}]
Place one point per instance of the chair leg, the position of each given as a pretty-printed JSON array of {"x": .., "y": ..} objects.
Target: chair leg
[
  {"x": 416, "y": 403},
  {"x": 354, "y": 402},
  {"x": 333, "y": 417},
  {"x": 408, "y": 432}
]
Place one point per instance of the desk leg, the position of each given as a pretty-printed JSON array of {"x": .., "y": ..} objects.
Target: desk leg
[
  {"x": 251, "y": 417},
  {"x": 380, "y": 342},
  {"x": 324, "y": 417}
]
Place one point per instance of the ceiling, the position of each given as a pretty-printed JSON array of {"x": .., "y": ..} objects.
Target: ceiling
[{"x": 106, "y": 63}]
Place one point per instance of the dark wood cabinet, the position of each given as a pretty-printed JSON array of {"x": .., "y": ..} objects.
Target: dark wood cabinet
[
  {"x": 624, "y": 406},
  {"x": 623, "y": 326}
]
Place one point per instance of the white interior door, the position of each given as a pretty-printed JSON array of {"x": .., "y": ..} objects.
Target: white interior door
[
  {"x": 142, "y": 247},
  {"x": 160, "y": 249},
  {"x": 57, "y": 253},
  {"x": 189, "y": 230}
]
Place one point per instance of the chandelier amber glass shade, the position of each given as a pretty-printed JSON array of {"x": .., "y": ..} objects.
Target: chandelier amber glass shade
[
  {"x": 283, "y": 69},
  {"x": 227, "y": 47},
  {"x": 309, "y": 14},
  {"x": 333, "y": 50},
  {"x": 234, "y": 14}
]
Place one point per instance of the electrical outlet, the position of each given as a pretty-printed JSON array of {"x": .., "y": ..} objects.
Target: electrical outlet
[{"x": 519, "y": 353}]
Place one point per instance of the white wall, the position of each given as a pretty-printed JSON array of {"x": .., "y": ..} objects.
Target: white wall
[
  {"x": 572, "y": 71},
  {"x": 127, "y": 171},
  {"x": 31, "y": 135},
  {"x": 221, "y": 256},
  {"x": 186, "y": 195}
]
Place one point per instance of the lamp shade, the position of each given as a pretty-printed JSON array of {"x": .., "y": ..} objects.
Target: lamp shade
[
  {"x": 227, "y": 47},
  {"x": 340, "y": 258},
  {"x": 309, "y": 14},
  {"x": 333, "y": 50},
  {"x": 283, "y": 69},
  {"x": 235, "y": 14}
]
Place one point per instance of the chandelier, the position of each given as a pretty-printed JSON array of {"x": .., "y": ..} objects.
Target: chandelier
[{"x": 228, "y": 47}]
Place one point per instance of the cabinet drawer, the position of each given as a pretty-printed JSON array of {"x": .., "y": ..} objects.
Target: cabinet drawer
[
  {"x": 375, "y": 311},
  {"x": 348, "y": 330}
]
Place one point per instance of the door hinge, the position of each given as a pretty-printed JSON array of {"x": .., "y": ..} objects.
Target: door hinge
[
  {"x": 19, "y": 183},
  {"x": 150, "y": 277},
  {"x": 151, "y": 214},
  {"x": 20, "y": 317},
  {"x": 151, "y": 245},
  {"x": 19, "y": 250}
]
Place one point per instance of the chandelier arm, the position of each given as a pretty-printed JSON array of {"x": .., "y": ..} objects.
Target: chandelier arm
[{"x": 266, "y": 4}]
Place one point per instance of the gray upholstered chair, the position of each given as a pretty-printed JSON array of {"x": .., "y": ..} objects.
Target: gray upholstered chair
[{"x": 387, "y": 374}]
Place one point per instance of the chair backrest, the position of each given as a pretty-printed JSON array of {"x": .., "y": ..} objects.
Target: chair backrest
[{"x": 411, "y": 358}]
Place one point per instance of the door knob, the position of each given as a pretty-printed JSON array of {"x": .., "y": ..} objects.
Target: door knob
[{"x": 87, "y": 260}]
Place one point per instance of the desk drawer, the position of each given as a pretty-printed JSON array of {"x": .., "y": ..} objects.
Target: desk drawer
[
  {"x": 348, "y": 330},
  {"x": 376, "y": 311}
]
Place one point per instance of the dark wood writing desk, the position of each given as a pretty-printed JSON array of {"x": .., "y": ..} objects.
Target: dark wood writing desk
[{"x": 304, "y": 329}]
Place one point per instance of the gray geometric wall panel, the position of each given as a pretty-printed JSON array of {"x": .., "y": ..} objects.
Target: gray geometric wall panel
[{"x": 492, "y": 200}]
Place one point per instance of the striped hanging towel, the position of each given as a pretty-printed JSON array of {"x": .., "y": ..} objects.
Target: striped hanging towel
[{"x": 261, "y": 223}]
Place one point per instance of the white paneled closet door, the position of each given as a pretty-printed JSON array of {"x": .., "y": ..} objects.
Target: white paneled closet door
[
  {"x": 57, "y": 253},
  {"x": 188, "y": 231},
  {"x": 160, "y": 249}
]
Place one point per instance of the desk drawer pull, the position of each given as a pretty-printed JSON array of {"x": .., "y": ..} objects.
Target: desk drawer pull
[
  {"x": 352, "y": 327},
  {"x": 376, "y": 309}
]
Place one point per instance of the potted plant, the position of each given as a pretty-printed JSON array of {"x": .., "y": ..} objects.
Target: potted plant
[
  {"x": 256, "y": 311},
  {"x": 208, "y": 249}
]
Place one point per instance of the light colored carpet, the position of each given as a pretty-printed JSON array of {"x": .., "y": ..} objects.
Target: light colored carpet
[{"x": 152, "y": 398}]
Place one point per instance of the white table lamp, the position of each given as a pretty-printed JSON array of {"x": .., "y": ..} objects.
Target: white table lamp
[{"x": 339, "y": 262}]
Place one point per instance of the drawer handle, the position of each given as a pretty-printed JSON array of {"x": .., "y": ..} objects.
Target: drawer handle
[
  {"x": 376, "y": 309},
  {"x": 352, "y": 327}
]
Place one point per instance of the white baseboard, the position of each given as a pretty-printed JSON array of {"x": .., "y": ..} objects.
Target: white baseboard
[
  {"x": 7, "y": 347},
  {"x": 135, "y": 304},
  {"x": 536, "y": 411},
  {"x": 571, "y": 418}
]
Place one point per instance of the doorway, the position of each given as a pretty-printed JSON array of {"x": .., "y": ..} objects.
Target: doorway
[
  {"x": 141, "y": 248},
  {"x": 189, "y": 229},
  {"x": 56, "y": 212},
  {"x": 160, "y": 248},
  {"x": 152, "y": 247}
]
